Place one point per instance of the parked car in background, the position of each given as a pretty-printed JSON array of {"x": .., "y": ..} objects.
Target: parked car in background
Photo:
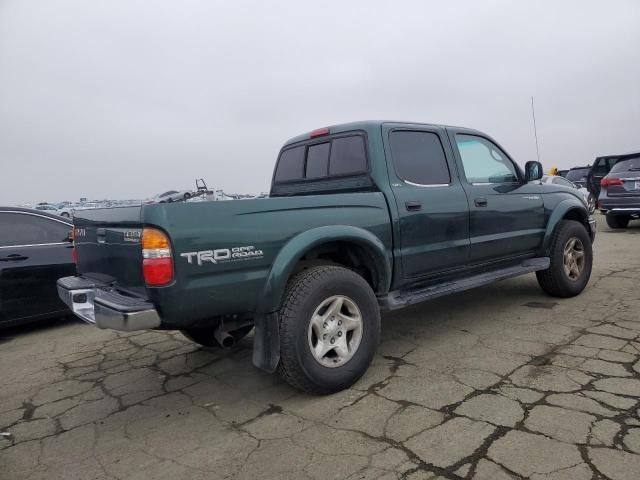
[
  {"x": 172, "y": 196},
  {"x": 588, "y": 196},
  {"x": 601, "y": 167},
  {"x": 67, "y": 211},
  {"x": 47, "y": 207},
  {"x": 620, "y": 192},
  {"x": 35, "y": 250},
  {"x": 578, "y": 175}
]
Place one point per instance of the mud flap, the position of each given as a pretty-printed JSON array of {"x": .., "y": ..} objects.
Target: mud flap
[{"x": 266, "y": 342}]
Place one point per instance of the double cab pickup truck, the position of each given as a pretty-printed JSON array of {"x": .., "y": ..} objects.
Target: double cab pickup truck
[{"x": 362, "y": 218}]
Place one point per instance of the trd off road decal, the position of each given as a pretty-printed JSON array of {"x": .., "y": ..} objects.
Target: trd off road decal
[{"x": 221, "y": 255}]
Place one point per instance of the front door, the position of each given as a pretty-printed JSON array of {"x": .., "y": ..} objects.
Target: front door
[
  {"x": 507, "y": 216},
  {"x": 432, "y": 206}
]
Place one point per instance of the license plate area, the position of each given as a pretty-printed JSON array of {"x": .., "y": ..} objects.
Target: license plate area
[{"x": 636, "y": 185}]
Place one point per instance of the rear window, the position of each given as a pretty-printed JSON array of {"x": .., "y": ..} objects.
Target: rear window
[
  {"x": 318, "y": 160},
  {"x": 291, "y": 165},
  {"x": 627, "y": 165},
  {"x": 340, "y": 156},
  {"x": 347, "y": 156}
]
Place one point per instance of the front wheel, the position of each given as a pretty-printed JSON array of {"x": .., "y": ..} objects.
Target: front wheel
[
  {"x": 617, "y": 221},
  {"x": 329, "y": 329},
  {"x": 65, "y": 215},
  {"x": 571, "y": 261}
]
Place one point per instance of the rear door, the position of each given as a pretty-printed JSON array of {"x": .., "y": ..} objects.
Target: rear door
[
  {"x": 432, "y": 206},
  {"x": 507, "y": 216},
  {"x": 600, "y": 168},
  {"x": 34, "y": 253}
]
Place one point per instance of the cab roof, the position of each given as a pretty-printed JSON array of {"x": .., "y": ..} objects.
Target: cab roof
[{"x": 369, "y": 125}]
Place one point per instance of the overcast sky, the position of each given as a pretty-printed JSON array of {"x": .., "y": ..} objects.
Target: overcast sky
[{"x": 125, "y": 99}]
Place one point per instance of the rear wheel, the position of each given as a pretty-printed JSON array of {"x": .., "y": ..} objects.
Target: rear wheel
[
  {"x": 617, "y": 221},
  {"x": 571, "y": 261},
  {"x": 187, "y": 196},
  {"x": 65, "y": 215},
  {"x": 329, "y": 329}
]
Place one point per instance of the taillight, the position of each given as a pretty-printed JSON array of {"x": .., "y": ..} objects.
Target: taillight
[
  {"x": 607, "y": 182},
  {"x": 157, "y": 262}
]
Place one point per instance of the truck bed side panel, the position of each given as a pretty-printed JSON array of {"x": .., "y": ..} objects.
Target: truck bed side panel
[{"x": 223, "y": 251}]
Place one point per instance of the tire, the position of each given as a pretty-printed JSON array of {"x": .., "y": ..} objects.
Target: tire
[
  {"x": 555, "y": 280},
  {"x": 187, "y": 196},
  {"x": 617, "y": 221},
  {"x": 204, "y": 336},
  {"x": 309, "y": 295},
  {"x": 65, "y": 215}
]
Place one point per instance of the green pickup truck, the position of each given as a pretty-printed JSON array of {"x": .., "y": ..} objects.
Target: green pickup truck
[{"x": 362, "y": 217}]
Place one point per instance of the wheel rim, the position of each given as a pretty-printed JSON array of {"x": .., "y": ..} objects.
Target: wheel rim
[
  {"x": 335, "y": 331},
  {"x": 573, "y": 258},
  {"x": 592, "y": 204}
]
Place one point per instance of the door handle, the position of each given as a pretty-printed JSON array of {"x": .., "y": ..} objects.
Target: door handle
[
  {"x": 413, "y": 206},
  {"x": 13, "y": 257},
  {"x": 481, "y": 202}
]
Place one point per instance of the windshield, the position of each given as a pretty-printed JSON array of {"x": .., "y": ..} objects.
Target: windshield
[
  {"x": 577, "y": 174},
  {"x": 629, "y": 164}
]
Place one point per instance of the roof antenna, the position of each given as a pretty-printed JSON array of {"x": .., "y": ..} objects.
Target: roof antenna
[{"x": 535, "y": 130}]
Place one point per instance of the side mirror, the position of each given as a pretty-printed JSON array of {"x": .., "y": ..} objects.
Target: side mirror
[{"x": 532, "y": 171}]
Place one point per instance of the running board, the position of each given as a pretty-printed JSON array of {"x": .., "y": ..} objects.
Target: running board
[{"x": 402, "y": 298}]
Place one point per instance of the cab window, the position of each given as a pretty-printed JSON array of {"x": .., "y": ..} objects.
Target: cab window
[
  {"x": 483, "y": 161},
  {"x": 419, "y": 158}
]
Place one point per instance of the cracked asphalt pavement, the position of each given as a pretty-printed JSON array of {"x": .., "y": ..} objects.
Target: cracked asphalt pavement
[{"x": 495, "y": 383}]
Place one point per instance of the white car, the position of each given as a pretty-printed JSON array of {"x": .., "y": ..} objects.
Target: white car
[
  {"x": 172, "y": 196},
  {"x": 557, "y": 180}
]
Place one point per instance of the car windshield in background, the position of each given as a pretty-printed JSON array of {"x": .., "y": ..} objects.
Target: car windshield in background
[
  {"x": 578, "y": 174},
  {"x": 627, "y": 165}
]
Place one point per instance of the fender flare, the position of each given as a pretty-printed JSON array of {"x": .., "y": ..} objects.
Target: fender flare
[
  {"x": 558, "y": 214},
  {"x": 286, "y": 260}
]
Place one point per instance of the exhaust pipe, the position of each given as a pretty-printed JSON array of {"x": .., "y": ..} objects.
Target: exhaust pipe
[{"x": 224, "y": 338}]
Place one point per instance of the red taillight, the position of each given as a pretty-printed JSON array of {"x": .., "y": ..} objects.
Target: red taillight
[
  {"x": 607, "y": 182},
  {"x": 320, "y": 132},
  {"x": 157, "y": 271},
  {"x": 157, "y": 261}
]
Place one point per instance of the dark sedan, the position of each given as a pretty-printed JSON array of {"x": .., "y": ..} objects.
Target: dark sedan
[
  {"x": 620, "y": 193},
  {"x": 35, "y": 250}
]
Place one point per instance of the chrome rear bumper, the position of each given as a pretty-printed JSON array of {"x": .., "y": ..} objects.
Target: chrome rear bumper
[{"x": 104, "y": 308}]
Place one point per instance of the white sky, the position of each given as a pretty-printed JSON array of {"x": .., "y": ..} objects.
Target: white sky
[{"x": 125, "y": 99}]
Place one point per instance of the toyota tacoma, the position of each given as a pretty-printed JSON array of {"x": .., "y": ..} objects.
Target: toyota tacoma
[{"x": 362, "y": 218}]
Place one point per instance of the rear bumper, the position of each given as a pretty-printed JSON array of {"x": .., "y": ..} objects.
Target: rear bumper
[
  {"x": 105, "y": 308},
  {"x": 619, "y": 205}
]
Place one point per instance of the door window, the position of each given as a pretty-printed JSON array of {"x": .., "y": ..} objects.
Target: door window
[
  {"x": 484, "y": 162},
  {"x": 24, "y": 229},
  {"x": 419, "y": 158}
]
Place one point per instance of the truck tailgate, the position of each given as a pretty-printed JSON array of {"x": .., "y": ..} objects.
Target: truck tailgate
[{"x": 108, "y": 246}]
